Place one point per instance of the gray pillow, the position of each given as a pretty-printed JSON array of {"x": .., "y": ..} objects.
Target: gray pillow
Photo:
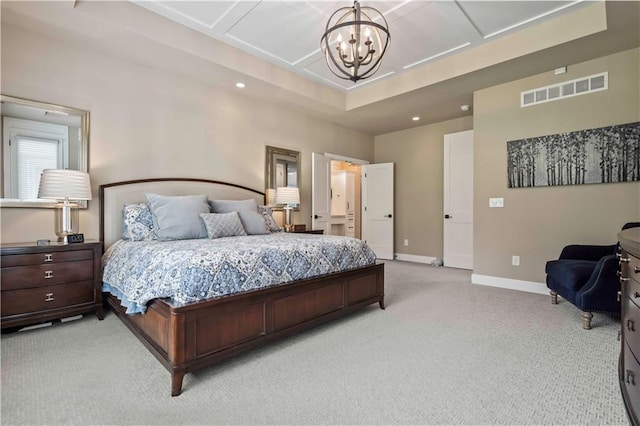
[
  {"x": 252, "y": 221},
  {"x": 178, "y": 217},
  {"x": 222, "y": 224}
]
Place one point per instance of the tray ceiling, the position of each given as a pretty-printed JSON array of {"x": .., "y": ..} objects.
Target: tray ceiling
[{"x": 287, "y": 33}]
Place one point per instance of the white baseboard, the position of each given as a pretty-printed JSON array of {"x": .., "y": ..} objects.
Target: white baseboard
[
  {"x": 413, "y": 258},
  {"x": 508, "y": 283}
]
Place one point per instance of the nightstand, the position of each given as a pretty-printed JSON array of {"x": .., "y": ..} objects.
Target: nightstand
[
  {"x": 309, "y": 231},
  {"x": 41, "y": 283}
]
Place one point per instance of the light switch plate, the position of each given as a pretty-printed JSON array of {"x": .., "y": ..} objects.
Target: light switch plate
[{"x": 496, "y": 202}]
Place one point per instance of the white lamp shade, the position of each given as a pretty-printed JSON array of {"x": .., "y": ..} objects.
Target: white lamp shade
[
  {"x": 271, "y": 196},
  {"x": 60, "y": 184},
  {"x": 287, "y": 195}
]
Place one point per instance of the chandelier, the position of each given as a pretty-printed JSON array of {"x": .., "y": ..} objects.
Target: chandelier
[{"x": 360, "y": 42}]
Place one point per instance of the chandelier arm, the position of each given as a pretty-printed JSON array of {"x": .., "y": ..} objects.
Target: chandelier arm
[{"x": 347, "y": 75}]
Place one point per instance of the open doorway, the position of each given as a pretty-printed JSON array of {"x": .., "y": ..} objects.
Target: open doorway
[
  {"x": 371, "y": 211},
  {"x": 346, "y": 199}
]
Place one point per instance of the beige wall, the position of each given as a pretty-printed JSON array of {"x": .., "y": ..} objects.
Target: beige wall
[
  {"x": 417, "y": 155},
  {"x": 536, "y": 223},
  {"x": 149, "y": 123}
]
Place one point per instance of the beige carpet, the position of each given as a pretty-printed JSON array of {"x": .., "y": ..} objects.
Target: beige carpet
[{"x": 444, "y": 351}]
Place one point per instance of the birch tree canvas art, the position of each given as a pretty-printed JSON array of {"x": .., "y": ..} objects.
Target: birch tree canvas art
[{"x": 603, "y": 155}]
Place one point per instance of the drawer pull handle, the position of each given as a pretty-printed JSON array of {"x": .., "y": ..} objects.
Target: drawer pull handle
[
  {"x": 636, "y": 269},
  {"x": 630, "y": 378},
  {"x": 48, "y": 274},
  {"x": 48, "y": 257},
  {"x": 48, "y": 297},
  {"x": 630, "y": 325},
  {"x": 622, "y": 259},
  {"x": 619, "y": 296},
  {"x": 624, "y": 279},
  {"x": 636, "y": 294}
]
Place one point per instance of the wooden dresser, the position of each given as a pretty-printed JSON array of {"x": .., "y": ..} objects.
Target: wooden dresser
[
  {"x": 629, "y": 368},
  {"x": 41, "y": 283}
]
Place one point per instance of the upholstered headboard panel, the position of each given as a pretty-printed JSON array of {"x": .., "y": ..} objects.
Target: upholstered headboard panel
[{"x": 114, "y": 196}]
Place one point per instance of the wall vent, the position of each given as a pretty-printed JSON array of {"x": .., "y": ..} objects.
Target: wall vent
[{"x": 567, "y": 89}]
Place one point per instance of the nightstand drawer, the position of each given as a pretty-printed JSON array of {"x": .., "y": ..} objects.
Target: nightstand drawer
[
  {"x": 46, "y": 258},
  {"x": 630, "y": 372},
  {"x": 632, "y": 291},
  {"x": 21, "y": 277},
  {"x": 631, "y": 325},
  {"x": 47, "y": 298}
]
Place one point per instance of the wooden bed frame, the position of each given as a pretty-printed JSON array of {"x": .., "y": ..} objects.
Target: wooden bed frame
[{"x": 187, "y": 338}]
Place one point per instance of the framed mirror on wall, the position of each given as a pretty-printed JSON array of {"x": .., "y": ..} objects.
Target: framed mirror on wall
[
  {"x": 38, "y": 136},
  {"x": 282, "y": 170}
]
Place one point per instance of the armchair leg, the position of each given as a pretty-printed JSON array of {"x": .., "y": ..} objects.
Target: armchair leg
[
  {"x": 554, "y": 297},
  {"x": 586, "y": 320}
]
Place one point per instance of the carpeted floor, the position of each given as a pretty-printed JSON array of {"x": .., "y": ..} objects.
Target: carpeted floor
[{"x": 444, "y": 351}]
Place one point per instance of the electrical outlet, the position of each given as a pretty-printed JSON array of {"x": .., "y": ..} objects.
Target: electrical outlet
[
  {"x": 406, "y": 242},
  {"x": 496, "y": 202},
  {"x": 515, "y": 260}
]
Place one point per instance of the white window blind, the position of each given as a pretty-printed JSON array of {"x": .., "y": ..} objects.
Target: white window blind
[{"x": 33, "y": 157}]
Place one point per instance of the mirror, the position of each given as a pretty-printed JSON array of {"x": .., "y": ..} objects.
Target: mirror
[
  {"x": 282, "y": 168},
  {"x": 37, "y": 136}
]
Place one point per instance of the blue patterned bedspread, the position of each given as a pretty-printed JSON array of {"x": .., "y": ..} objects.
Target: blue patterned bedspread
[{"x": 190, "y": 270}]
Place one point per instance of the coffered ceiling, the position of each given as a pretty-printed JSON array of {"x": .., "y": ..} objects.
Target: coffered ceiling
[{"x": 287, "y": 33}]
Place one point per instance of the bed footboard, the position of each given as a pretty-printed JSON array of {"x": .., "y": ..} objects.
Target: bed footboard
[{"x": 187, "y": 338}]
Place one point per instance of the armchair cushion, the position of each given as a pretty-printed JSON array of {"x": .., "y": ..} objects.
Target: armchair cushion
[
  {"x": 572, "y": 274},
  {"x": 587, "y": 252}
]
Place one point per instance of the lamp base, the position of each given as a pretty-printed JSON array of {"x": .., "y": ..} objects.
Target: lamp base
[
  {"x": 287, "y": 218},
  {"x": 67, "y": 218}
]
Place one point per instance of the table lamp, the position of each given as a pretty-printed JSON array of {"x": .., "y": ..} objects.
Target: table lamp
[
  {"x": 66, "y": 186},
  {"x": 287, "y": 195}
]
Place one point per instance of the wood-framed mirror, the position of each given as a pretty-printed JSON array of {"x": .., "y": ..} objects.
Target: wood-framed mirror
[
  {"x": 37, "y": 136},
  {"x": 282, "y": 169}
]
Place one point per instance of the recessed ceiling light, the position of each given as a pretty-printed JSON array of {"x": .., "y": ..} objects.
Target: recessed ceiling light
[
  {"x": 416, "y": 118},
  {"x": 240, "y": 85}
]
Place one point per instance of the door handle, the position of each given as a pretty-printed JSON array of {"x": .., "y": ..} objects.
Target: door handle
[
  {"x": 315, "y": 216},
  {"x": 446, "y": 216},
  {"x": 388, "y": 215}
]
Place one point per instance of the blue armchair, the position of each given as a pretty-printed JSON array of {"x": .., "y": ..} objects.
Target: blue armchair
[{"x": 586, "y": 276}]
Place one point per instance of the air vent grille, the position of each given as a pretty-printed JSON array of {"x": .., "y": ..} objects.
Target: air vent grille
[{"x": 579, "y": 86}]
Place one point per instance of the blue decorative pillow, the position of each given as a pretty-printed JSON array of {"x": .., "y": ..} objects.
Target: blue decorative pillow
[
  {"x": 223, "y": 224},
  {"x": 267, "y": 215},
  {"x": 137, "y": 223},
  {"x": 178, "y": 217},
  {"x": 252, "y": 221}
]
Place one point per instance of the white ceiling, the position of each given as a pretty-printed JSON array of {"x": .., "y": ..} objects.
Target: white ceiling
[{"x": 287, "y": 33}]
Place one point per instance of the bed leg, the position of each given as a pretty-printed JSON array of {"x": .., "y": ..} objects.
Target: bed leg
[
  {"x": 381, "y": 303},
  {"x": 176, "y": 382}
]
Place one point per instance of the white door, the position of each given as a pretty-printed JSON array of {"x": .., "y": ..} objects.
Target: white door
[
  {"x": 321, "y": 192},
  {"x": 458, "y": 200},
  {"x": 377, "y": 208}
]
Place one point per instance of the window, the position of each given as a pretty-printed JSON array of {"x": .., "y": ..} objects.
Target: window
[{"x": 28, "y": 148}]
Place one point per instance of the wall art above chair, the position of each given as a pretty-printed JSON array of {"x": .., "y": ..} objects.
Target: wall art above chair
[{"x": 604, "y": 155}]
